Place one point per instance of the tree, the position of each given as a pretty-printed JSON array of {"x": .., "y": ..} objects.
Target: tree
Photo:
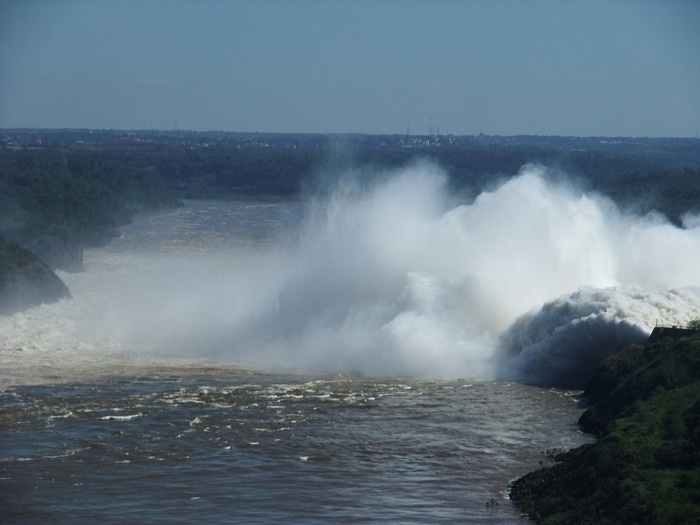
[{"x": 693, "y": 324}]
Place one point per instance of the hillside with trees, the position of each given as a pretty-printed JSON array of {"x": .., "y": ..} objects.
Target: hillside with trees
[
  {"x": 53, "y": 204},
  {"x": 57, "y": 202}
]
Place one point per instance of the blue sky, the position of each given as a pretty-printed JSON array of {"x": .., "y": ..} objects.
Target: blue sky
[{"x": 608, "y": 68}]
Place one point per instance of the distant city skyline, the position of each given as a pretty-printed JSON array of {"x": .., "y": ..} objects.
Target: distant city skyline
[{"x": 504, "y": 67}]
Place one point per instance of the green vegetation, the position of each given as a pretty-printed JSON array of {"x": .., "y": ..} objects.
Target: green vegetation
[
  {"x": 636, "y": 182},
  {"x": 645, "y": 466},
  {"x": 639, "y": 173},
  {"x": 55, "y": 202},
  {"x": 693, "y": 324}
]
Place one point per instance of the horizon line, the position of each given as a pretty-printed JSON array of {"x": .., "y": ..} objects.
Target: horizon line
[{"x": 339, "y": 133}]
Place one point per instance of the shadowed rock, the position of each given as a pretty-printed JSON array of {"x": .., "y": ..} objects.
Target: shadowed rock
[{"x": 25, "y": 281}]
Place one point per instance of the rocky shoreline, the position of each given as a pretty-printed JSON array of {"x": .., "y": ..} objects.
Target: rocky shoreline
[{"x": 645, "y": 465}]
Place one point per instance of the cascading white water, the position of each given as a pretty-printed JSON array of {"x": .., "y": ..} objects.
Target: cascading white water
[
  {"x": 531, "y": 281},
  {"x": 400, "y": 280}
]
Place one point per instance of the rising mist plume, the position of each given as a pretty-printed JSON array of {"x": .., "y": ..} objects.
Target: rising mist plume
[{"x": 531, "y": 281}]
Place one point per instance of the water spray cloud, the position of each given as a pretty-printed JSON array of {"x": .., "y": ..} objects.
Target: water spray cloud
[
  {"x": 397, "y": 279},
  {"x": 532, "y": 281}
]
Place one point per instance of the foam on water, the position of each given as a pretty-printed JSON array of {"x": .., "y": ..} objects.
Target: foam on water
[
  {"x": 530, "y": 281},
  {"x": 564, "y": 341}
]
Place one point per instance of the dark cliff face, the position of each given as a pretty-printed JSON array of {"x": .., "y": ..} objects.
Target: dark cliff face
[{"x": 25, "y": 281}]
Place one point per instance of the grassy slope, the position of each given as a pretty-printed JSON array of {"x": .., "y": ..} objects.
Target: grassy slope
[{"x": 645, "y": 466}]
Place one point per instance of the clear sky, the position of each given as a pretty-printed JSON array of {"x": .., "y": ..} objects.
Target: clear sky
[{"x": 610, "y": 68}]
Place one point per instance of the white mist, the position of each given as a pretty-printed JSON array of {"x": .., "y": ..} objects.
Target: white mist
[{"x": 531, "y": 281}]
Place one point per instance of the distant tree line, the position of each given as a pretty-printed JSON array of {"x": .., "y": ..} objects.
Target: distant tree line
[
  {"x": 55, "y": 200},
  {"x": 634, "y": 181}
]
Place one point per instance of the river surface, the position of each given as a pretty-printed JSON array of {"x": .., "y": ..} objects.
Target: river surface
[{"x": 98, "y": 427}]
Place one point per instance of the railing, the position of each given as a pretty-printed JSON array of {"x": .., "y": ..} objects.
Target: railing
[{"x": 668, "y": 326}]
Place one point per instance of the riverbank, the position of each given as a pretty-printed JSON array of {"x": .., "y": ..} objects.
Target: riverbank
[{"x": 645, "y": 465}]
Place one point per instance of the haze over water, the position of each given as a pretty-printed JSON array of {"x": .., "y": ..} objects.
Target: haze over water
[{"x": 532, "y": 281}]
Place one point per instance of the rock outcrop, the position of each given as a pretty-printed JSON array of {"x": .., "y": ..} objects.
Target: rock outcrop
[{"x": 25, "y": 281}]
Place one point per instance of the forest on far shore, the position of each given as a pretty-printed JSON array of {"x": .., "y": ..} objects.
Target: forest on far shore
[{"x": 64, "y": 190}]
